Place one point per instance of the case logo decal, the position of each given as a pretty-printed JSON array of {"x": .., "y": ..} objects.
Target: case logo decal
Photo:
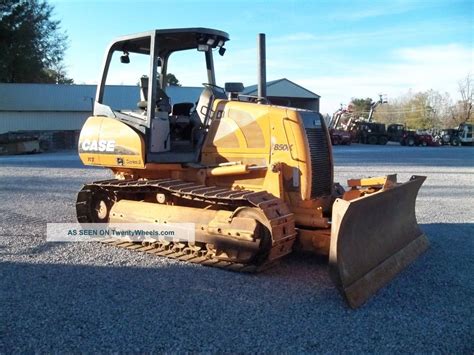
[{"x": 98, "y": 145}]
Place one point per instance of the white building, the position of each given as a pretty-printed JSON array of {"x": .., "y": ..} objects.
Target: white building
[
  {"x": 284, "y": 92},
  {"x": 51, "y": 107}
]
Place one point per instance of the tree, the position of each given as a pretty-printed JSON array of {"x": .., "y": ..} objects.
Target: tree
[
  {"x": 390, "y": 112},
  {"x": 420, "y": 110},
  {"x": 171, "y": 80},
  {"x": 438, "y": 108},
  {"x": 361, "y": 107},
  {"x": 462, "y": 111},
  {"x": 31, "y": 43}
]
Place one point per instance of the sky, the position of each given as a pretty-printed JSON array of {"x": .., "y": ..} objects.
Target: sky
[{"x": 337, "y": 49}]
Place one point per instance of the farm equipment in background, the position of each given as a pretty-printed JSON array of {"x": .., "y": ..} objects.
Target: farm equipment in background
[
  {"x": 369, "y": 133},
  {"x": 447, "y": 136},
  {"x": 338, "y": 135},
  {"x": 374, "y": 105},
  {"x": 457, "y": 136},
  {"x": 398, "y": 133},
  {"x": 256, "y": 180},
  {"x": 361, "y": 130},
  {"x": 421, "y": 139},
  {"x": 465, "y": 134}
]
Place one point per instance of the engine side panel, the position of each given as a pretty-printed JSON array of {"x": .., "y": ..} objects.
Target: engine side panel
[
  {"x": 261, "y": 135},
  {"x": 107, "y": 142}
]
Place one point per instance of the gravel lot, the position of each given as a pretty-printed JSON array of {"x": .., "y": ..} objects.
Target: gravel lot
[{"x": 89, "y": 297}]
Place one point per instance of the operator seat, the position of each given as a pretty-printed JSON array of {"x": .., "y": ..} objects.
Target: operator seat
[
  {"x": 203, "y": 111},
  {"x": 162, "y": 100},
  {"x": 182, "y": 109},
  {"x": 201, "y": 115}
]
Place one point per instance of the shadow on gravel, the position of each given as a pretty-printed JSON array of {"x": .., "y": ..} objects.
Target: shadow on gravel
[
  {"x": 450, "y": 230},
  {"x": 291, "y": 308}
]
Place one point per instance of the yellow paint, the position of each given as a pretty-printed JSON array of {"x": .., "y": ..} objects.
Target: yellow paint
[
  {"x": 228, "y": 170},
  {"x": 128, "y": 145},
  {"x": 373, "y": 181},
  {"x": 271, "y": 134},
  {"x": 248, "y": 133}
]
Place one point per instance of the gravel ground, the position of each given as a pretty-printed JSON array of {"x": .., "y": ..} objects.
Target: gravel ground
[{"x": 70, "y": 297}]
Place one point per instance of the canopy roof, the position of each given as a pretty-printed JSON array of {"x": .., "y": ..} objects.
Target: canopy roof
[{"x": 170, "y": 40}]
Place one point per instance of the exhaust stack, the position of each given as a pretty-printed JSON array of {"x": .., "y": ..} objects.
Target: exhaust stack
[{"x": 262, "y": 74}]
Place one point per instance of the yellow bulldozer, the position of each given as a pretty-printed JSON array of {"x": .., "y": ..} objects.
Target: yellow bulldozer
[{"x": 255, "y": 179}]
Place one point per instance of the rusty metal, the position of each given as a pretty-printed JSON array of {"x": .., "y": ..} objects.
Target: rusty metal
[
  {"x": 316, "y": 241},
  {"x": 373, "y": 238},
  {"x": 231, "y": 236}
]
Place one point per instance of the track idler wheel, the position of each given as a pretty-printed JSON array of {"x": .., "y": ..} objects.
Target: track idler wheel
[
  {"x": 93, "y": 205},
  {"x": 263, "y": 232}
]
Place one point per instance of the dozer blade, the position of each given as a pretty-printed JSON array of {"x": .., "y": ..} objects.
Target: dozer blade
[{"x": 373, "y": 238}]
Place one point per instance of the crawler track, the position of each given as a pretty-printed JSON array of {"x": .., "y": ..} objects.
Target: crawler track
[{"x": 274, "y": 216}]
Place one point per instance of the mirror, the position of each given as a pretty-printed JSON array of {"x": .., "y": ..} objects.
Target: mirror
[
  {"x": 125, "y": 58},
  {"x": 234, "y": 87}
]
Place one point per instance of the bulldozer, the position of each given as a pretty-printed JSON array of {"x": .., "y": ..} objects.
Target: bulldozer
[{"x": 256, "y": 180}]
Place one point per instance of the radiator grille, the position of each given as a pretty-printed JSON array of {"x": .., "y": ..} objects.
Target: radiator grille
[{"x": 321, "y": 168}]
